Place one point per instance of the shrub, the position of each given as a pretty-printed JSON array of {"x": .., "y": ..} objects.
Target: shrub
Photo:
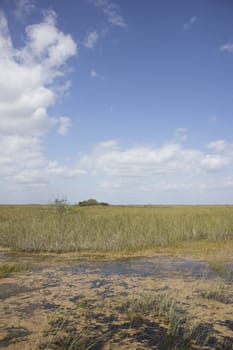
[{"x": 89, "y": 202}]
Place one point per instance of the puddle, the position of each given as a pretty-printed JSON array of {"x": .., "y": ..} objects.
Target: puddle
[{"x": 158, "y": 267}]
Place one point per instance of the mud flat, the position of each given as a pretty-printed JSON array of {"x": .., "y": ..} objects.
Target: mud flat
[{"x": 158, "y": 302}]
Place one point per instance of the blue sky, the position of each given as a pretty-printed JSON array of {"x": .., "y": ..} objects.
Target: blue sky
[{"x": 126, "y": 101}]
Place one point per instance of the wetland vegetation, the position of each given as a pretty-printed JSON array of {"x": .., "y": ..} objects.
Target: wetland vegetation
[
  {"x": 142, "y": 277},
  {"x": 65, "y": 228}
]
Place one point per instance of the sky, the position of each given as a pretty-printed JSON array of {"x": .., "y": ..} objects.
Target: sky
[{"x": 124, "y": 101}]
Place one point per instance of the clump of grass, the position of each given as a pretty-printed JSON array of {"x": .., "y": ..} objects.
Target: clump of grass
[
  {"x": 7, "y": 268},
  {"x": 59, "y": 337},
  {"x": 221, "y": 269},
  {"x": 215, "y": 295},
  {"x": 164, "y": 307},
  {"x": 215, "y": 290}
]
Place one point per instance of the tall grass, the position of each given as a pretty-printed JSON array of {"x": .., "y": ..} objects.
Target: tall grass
[
  {"x": 71, "y": 228},
  {"x": 165, "y": 308}
]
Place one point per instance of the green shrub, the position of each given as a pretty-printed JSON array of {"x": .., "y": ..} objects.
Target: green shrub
[{"x": 89, "y": 202}]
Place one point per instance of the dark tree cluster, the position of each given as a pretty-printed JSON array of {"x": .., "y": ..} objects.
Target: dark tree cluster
[{"x": 91, "y": 202}]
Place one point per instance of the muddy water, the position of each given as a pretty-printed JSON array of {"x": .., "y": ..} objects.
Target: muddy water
[
  {"x": 159, "y": 266},
  {"x": 59, "y": 288}
]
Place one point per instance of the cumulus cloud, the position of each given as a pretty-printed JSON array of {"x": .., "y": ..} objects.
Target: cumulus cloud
[
  {"x": 140, "y": 160},
  {"x": 111, "y": 10},
  {"x": 91, "y": 39},
  {"x": 27, "y": 75},
  {"x": 188, "y": 25},
  {"x": 167, "y": 173},
  {"x": 220, "y": 145},
  {"x": 29, "y": 79},
  {"x": 46, "y": 44},
  {"x": 167, "y": 167}
]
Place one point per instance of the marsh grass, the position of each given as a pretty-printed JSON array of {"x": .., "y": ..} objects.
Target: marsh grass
[
  {"x": 219, "y": 296},
  {"x": 7, "y": 268},
  {"x": 148, "y": 320},
  {"x": 57, "y": 337},
  {"x": 221, "y": 269},
  {"x": 161, "y": 305},
  {"x": 63, "y": 228},
  {"x": 182, "y": 326},
  {"x": 164, "y": 307}
]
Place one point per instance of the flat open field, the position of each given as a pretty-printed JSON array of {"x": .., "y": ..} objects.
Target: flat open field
[{"x": 116, "y": 277}]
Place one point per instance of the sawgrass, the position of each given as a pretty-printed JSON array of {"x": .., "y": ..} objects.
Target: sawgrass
[{"x": 65, "y": 228}]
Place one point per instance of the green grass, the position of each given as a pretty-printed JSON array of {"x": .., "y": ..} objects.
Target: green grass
[
  {"x": 111, "y": 228},
  {"x": 166, "y": 309},
  {"x": 7, "y": 268}
]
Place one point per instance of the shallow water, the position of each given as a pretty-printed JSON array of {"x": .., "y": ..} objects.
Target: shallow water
[
  {"x": 58, "y": 286},
  {"x": 160, "y": 266}
]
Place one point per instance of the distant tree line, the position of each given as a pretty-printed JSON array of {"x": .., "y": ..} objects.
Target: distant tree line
[{"x": 91, "y": 202}]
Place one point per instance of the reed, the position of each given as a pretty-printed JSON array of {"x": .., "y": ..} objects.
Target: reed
[{"x": 111, "y": 228}]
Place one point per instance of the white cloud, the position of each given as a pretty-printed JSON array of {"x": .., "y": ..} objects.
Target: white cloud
[
  {"x": 135, "y": 161},
  {"x": 54, "y": 168},
  {"x": 111, "y": 10},
  {"x": 214, "y": 162},
  {"x": 20, "y": 155},
  {"x": 91, "y": 39},
  {"x": 219, "y": 146},
  {"x": 227, "y": 48},
  {"x": 170, "y": 173},
  {"x": 28, "y": 87},
  {"x": 188, "y": 25},
  {"x": 45, "y": 42},
  {"x": 168, "y": 167}
]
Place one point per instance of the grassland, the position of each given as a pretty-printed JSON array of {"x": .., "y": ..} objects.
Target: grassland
[{"x": 63, "y": 228}]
